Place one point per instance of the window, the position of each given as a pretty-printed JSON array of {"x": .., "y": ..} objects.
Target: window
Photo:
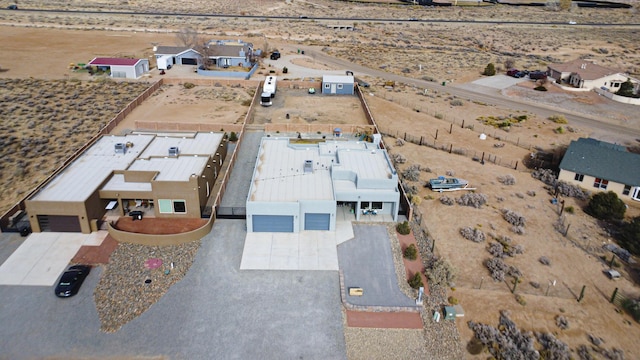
[
  {"x": 376, "y": 205},
  {"x": 168, "y": 206},
  {"x": 579, "y": 177},
  {"x": 340, "y": 86},
  {"x": 364, "y": 205},
  {"x": 179, "y": 206},
  {"x": 626, "y": 190},
  {"x": 600, "y": 184},
  {"x": 327, "y": 85}
]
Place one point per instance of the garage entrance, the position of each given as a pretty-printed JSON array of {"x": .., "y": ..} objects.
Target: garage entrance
[
  {"x": 272, "y": 223},
  {"x": 188, "y": 61},
  {"x": 317, "y": 221},
  {"x": 59, "y": 223}
]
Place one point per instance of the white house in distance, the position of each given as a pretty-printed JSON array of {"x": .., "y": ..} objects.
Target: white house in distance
[
  {"x": 121, "y": 67},
  {"x": 586, "y": 74},
  {"x": 305, "y": 185},
  {"x": 172, "y": 55},
  {"x": 602, "y": 166}
]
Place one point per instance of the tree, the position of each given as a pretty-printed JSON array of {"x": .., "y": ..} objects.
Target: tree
[
  {"x": 187, "y": 37},
  {"x": 205, "y": 51},
  {"x": 509, "y": 63},
  {"x": 626, "y": 89},
  {"x": 490, "y": 70},
  {"x": 630, "y": 235},
  {"x": 606, "y": 206}
]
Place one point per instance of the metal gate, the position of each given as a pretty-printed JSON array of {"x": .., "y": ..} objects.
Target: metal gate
[
  {"x": 272, "y": 223},
  {"x": 317, "y": 221}
]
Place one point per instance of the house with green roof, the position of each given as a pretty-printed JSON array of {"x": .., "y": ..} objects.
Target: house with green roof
[{"x": 601, "y": 166}]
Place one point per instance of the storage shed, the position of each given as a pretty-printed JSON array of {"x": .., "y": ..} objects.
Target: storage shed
[
  {"x": 177, "y": 55},
  {"x": 122, "y": 68},
  {"x": 338, "y": 84}
]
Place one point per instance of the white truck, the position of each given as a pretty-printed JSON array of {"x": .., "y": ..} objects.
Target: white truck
[
  {"x": 265, "y": 99},
  {"x": 164, "y": 62}
]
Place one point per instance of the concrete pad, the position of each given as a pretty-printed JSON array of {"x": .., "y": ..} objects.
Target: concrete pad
[
  {"x": 41, "y": 258},
  {"x": 95, "y": 238},
  {"x": 307, "y": 250},
  {"x": 499, "y": 81},
  {"x": 344, "y": 231}
]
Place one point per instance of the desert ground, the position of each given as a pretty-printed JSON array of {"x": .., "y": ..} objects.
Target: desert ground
[{"x": 453, "y": 52}]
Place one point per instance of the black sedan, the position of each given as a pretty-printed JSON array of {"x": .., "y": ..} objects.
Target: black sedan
[{"x": 71, "y": 280}]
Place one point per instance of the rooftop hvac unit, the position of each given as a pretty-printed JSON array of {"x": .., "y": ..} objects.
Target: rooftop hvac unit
[
  {"x": 121, "y": 148},
  {"x": 308, "y": 166},
  {"x": 173, "y": 151}
]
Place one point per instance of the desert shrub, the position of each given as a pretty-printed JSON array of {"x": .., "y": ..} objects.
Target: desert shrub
[
  {"x": 562, "y": 322},
  {"x": 189, "y": 85},
  {"x": 629, "y": 236},
  {"x": 496, "y": 250},
  {"x": 438, "y": 116},
  {"x": 497, "y": 268},
  {"x": 415, "y": 281},
  {"x": 535, "y": 285},
  {"x": 400, "y": 142},
  {"x": 531, "y": 193},
  {"x": 553, "y": 348},
  {"x": 518, "y": 230},
  {"x": 447, "y": 200},
  {"x": 403, "y": 228},
  {"x": 440, "y": 272},
  {"x": 233, "y": 136},
  {"x": 559, "y": 130},
  {"x": 475, "y": 235},
  {"x": 570, "y": 209},
  {"x": 606, "y": 206},
  {"x": 507, "y": 179},
  {"x": 398, "y": 159},
  {"x": 513, "y": 271},
  {"x": 544, "y": 260},
  {"x": 505, "y": 341},
  {"x": 569, "y": 190},
  {"x": 456, "y": 102},
  {"x": 411, "y": 252},
  {"x": 540, "y": 88},
  {"x": 558, "y": 119},
  {"x": 472, "y": 199},
  {"x": 521, "y": 300},
  {"x": 411, "y": 173},
  {"x": 410, "y": 189},
  {"x": 633, "y": 307},
  {"x": 547, "y": 176},
  {"x": 452, "y": 300},
  {"x": 490, "y": 70},
  {"x": 513, "y": 217}
]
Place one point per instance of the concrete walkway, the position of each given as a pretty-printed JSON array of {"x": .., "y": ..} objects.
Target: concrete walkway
[
  {"x": 240, "y": 179},
  {"x": 42, "y": 257}
]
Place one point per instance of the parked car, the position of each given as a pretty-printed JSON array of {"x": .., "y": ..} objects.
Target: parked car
[
  {"x": 512, "y": 72},
  {"x": 71, "y": 280},
  {"x": 537, "y": 75},
  {"x": 275, "y": 55}
]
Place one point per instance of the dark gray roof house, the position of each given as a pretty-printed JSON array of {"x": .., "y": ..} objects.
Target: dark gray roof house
[{"x": 610, "y": 166}]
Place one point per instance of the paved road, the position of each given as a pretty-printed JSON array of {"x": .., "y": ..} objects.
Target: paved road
[
  {"x": 215, "y": 312},
  {"x": 489, "y": 97}
]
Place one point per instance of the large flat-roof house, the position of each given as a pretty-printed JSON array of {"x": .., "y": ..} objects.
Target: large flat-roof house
[
  {"x": 121, "y": 67},
  {"x": 602, "y": 166},
  {"x": 300, "y": 186},
  {"x": 172, "y": 55},
  {"x": 338, "y": 84},
  {"x": 167, "y": 175},
  {"x": 587, "y": 74}
]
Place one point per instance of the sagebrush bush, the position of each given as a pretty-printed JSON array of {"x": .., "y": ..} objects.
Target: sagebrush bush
[
  {"x": 452, "y": 300},
  {"x": 473, "y": 199},
  {"x": 513, "y": 218},
  {"x": 189, "y": 85},
  {"x": 606, "y": 206},
  {"x": 447, "y": 200},
  {"x": 475, "y": 235},
  {"x": 233, "y": 137},
  {"x": 507, "y": 179}
]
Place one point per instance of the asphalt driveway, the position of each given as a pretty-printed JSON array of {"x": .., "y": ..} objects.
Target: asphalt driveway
[{"x": 215, "y": 312}]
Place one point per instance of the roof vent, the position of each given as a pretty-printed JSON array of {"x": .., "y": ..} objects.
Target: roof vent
[
  {"x": 120, "y": 148},
  {"x": 173, "y": 151},
  {"x": 308, "y": 166}
]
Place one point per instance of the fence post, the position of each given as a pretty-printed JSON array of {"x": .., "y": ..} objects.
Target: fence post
[
  {"x": 450, "y": 148},
  {"x": 450, "y": 128},
  {"x": 420, "y": 140},
  {"x": 436, "y": 134},
  {"x": 405, "y": 136},
  {"x": 462, "y": 127},
  {"x": 516, "y": 167},
  {"x": 613, "y": 296},
  {"x": 582, "y": 293}
]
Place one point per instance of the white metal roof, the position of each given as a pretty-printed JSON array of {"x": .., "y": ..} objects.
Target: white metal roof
[
  {"x": 82, "y": 177},
  {"x": 338, "y": 79},
  {"x": 279, "y": 174},
  {"x": 147, "y": 152},
  {"x": 188, "y": 144},
  {"x": 172, "y": 168}
]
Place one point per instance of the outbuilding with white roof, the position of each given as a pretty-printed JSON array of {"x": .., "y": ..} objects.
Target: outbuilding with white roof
[{"x": 300, "y": 186}]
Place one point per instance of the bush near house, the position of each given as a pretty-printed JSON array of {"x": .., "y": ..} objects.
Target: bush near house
[
  {"x": 411, "y": 252},
  {"x": 606, "y": 206},
  {"x": 490, "y": 70},
  {"x": 403, "y": 228},
  {"x": 416, "y": 281}
]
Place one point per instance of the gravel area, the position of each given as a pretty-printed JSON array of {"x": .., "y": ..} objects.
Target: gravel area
[
  {"x": 370, "y": 344},
  {"x": 128, "y": 288}
]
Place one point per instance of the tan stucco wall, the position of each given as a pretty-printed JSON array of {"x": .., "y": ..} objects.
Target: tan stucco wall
[
  {"x": 161, "y": 240},
  {"x": 587, "y": 184}
]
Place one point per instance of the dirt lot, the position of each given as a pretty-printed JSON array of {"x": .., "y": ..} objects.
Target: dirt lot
[{"x": 455, "y": 52}]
